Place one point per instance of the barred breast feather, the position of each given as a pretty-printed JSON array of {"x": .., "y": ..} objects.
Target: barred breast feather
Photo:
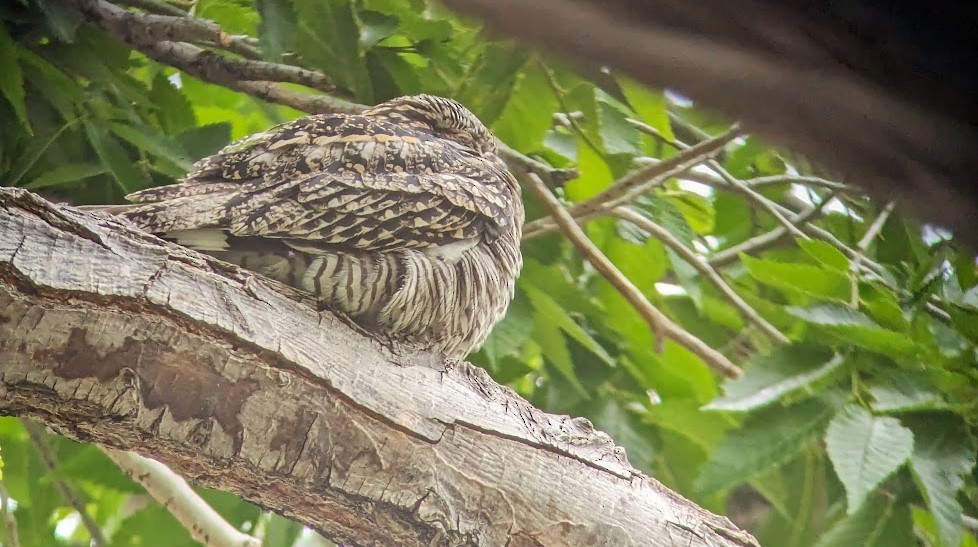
[{"x": 403, "y": 217}]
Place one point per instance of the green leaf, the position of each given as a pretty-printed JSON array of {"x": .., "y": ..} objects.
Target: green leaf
[
  {"x": 944, "y": 451},
  {"x": 512, "y": 331},
  {"x": 205, "y": 140},
  {"x": 618, "y": 136},
  {"x": 864, "y": 450},
  {"x": 329, "y": 40},
  {"x": 825, "y": 253},
  {"x": 769, "y": 437},
  {"x": 12, "y": 79},
  {"x": 651, "y": 106},
  {"x": 525, "y": 119},
  {"x": 547, "y": 334},
  {"x": 281, "y": 532},
  {"x": 547, "y": 307},
  {"x": 277, "y": 28},
  {"x": 696, "y": 209},
  {"x": 787, "y": 370},
  {"x": 153, "y": 142},
  {"x": 881, "y": 522},
  {"x": 126, "y": 176},
  {"x": 905, "y": 392},
  {"x": 799, "y": 278},
  {"x": 173, "y": 109},
  {"x": 26, "y": 161},
  {"x": 66, "y": 174},
  {"x": 854, "y": 327}
]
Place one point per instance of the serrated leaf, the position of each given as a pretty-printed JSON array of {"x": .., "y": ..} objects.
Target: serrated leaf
[
  {"x": 549, "y": 308},
  {"x": 618, "y": 136},
  {"x": 115, "y": 159},
  {"x": 824, "y": 253},
  {"x": 864, "y": 450},
  {"x": 554, "y": 347},
  {"x": 12, "y": 79},
  {"x": 799, "y": 278},
  {"x": 277, "y": 27},
  {"x": 173, "y": 109},
  {"x": 526, "y": 117},
  {"x": 880, "y": 523},
  {"x": 651, "y": 106},
  {"x": 696, "y": 209},
  {"x": 66, "y": 174},
  {"x": 156, "y": 144},
  {"x": 206, "y": 139},
  {"x": 944, "y": 451},
  {"x": 905, "y": 392},
  {"x": 511, "y": 331},
  {"x": 328, "y": 38},
  {"x": 767, "y": 438},
  {"x": 786, "y": 370},
  {"x": 854, "y": 327}
]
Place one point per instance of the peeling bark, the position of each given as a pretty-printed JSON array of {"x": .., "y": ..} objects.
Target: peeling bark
[{"x": 113, "y": 336}]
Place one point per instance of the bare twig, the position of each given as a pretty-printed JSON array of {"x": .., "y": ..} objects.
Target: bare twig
[
  {"x": 863, "y": 246},
  {"x": 172, "y": 492},
  {"x": 161, "y": 37},
  {"x": 9, "y": 520},
  {"x": 767, "y": 239},
  {"x": 36, "y": 433},
  {"x": 553, "y": 176},
  {"x": 701, "y": 266},
  {"x": 638, "y": 182},
  {"x": 660, "y": 324}
]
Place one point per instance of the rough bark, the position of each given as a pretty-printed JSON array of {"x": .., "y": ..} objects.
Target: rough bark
[
  {"x": 113, "y": 336},
  {"x": 882, "y": 95}
]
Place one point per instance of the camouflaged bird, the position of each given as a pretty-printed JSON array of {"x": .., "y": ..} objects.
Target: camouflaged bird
[{"x": 403, "y": 217}]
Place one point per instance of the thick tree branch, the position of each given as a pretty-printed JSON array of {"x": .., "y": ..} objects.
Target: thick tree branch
[{"x": 110, "y": 335}]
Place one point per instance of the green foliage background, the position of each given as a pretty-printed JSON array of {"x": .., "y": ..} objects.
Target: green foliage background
[{"x": 858, "y": 432}]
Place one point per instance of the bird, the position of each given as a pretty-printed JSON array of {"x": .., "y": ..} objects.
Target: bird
[{"x": 402, "y": 217}]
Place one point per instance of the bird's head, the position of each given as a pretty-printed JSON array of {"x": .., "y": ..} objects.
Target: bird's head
[{"x": 446, "y": 119}]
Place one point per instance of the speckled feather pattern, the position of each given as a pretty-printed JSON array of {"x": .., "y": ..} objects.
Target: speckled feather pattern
[{"x": 402, "y": 217}]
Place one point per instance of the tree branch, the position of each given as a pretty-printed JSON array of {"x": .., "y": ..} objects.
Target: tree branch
[
  {"x": 703, "y": 268},
  {"x": 172, "y": 492},
  {"x": 660, "y": 324},
  {"x": 111, "y": 335}
]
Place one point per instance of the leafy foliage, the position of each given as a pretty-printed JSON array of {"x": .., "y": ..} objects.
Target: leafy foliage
[{"x": 860, "y": 431}]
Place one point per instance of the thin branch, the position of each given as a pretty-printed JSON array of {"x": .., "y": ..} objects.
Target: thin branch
[
  {"x": 863, "y": 246},
  {"x": 36, "y": 433},
  {"x": 150, "y": 34},
  {"x": 9, "y": 520},
  {"x": 640, "y": 181},
  {"x": 731, "y": 180},
  {"x": 765, "y": 240},
  {"x": 553, "y": 176},
  {"x": 703, "y": 268},
  {"x": 660, "y": 324},
  {"x": 172, "y": 492},
  {"x": 152, "y": 6}
]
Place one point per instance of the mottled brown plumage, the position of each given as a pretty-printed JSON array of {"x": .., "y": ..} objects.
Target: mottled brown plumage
[{"x": 403, "y": 217}]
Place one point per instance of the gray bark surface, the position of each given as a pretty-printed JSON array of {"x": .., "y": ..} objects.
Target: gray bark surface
[{"x": 113, "y": 336}]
